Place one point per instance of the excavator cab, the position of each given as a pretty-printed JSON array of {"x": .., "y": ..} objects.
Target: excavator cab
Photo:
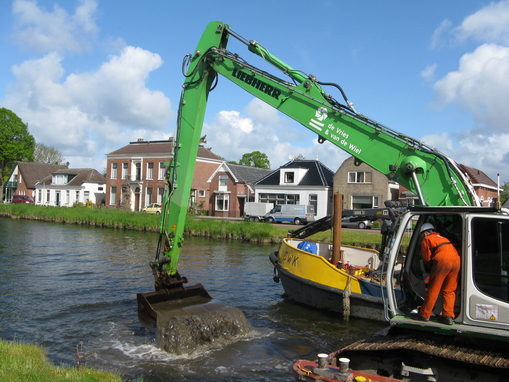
[{"x": 481, "y": 236}]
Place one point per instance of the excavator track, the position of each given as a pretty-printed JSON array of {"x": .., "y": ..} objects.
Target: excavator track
[{"x": 466, "y": 350}]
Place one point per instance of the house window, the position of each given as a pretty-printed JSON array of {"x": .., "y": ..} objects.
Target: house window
[
  {"x": 223, "y": 182},
  {"x": 162, "y": 170},
  {"x": 279, "y": 198},
  {"x": 87, "y": 196},
  {"x": 47, "y": 196},
  {"x": 150, "y": 170},
  {"x": 114, "y": 170},
  {"x": 59, "y": 179},
  {"x": 362, "y": 202},
  {"x": 148, "y": 196},
  {"x": 222, "y": 202},
  {"x": 160, "y": 195},
  {"x": 125, "y": 168},
  {"x": 113, "y": 195},
  {"x": 313, "y": 200},
  {"x": 359, "y": 177},
  {"x": 77, "y": 196},
  {"x": 138, "y": 171},
  {"x": 289, "y": 177},
  {"x": 201, "y": 193},
  {"x": 67, "y": 197},
  {"x": 39, "y": 196}
]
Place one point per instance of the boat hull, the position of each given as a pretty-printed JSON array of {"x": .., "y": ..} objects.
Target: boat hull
[{"x": 311, "y": 279}]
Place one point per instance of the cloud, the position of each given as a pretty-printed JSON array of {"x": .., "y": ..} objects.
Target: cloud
[
  {"x": 437, "y": 37},
  {"x": 471, "y": 148},
  {"x": 429, "y": 72},
  {"x": 91, "y": 112},
  {"x": 489, "y": 24},
  {"x": 481, "y": 86},
  {"x": 44, "y": 31}
]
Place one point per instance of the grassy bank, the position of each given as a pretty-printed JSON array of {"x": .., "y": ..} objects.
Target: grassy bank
[
  {"x": 22, "y": 362},
  {"x": 222, "y": 229}
]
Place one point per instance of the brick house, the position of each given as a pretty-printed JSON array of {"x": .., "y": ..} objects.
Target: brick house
[
  {"x": 484, "y": 187},
  {"x": 25, "y": 175},
  {"x": 362, "y": 186},
  {"x": 231, "y": 187},
  {"x": 135, "y": 174}
]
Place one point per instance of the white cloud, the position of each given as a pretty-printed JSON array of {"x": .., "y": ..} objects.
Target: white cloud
[
  {"x": 437, "y": 37},
  {"x": 91, "y": 113},
  {"x": 45, "y": 31},
  {"x": 429, "y": 72},
  {"x": 486, "y": 152},
  {"x": 489, "y": 24},
  {"x": 481, "y": 86}
]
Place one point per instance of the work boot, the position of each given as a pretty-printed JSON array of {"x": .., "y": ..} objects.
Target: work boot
[
  {"x": 445, "y": 320},
  {"x": 418, "y": 317}
]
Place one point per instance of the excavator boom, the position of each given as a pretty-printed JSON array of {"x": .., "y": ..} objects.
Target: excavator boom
[{"x": 436, "y": 179}]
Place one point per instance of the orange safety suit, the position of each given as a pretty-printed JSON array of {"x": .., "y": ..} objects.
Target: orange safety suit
[{"x": 444, "y": 260}]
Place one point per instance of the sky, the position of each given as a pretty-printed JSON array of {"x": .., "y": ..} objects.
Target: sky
[{"x": 90, "y": 76}]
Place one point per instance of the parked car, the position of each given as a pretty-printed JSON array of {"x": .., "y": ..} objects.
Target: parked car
[
  {"x": 351, "y": 223},
  {"x": 154, "y": 208},
  {"x": 16, "y": 199}
]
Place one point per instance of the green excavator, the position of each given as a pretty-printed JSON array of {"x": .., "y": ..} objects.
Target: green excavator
[{"x": 445, "y": 192}]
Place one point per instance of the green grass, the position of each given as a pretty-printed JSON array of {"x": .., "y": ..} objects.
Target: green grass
[
  {"x": 27, "y": 363},
  {"x": 122, "y": 219}
]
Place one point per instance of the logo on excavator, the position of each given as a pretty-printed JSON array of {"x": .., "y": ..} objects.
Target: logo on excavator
[
  {"x": 256, "y": 83},
  {"x": 320, "y": 115}
]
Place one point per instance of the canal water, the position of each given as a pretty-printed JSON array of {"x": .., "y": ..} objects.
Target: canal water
[{"x": 66, "y": 287}]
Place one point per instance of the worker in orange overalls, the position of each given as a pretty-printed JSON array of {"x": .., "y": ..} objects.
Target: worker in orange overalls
[{"x": 443, "y": 258}]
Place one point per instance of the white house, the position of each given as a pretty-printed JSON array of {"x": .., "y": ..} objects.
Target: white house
[
  {"x": 67, "y": 187},
  {"x": 298, "y": 182}
]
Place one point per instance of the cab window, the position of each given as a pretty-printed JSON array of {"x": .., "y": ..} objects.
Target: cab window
[{"x": 490, "y": 252}]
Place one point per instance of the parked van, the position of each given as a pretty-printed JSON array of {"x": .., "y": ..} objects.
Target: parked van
[{"x": 296, "y": 213}]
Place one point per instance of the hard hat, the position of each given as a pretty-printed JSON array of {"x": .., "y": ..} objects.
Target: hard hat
[{"x": 426, "y": 227}]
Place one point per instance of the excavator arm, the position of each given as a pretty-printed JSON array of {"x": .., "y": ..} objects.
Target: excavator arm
[{"x": 437, "y": 180}]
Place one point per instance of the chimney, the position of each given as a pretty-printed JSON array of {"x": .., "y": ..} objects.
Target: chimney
[{"x": 140, "y": 139}]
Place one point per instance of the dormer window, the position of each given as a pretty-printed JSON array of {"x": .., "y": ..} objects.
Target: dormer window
[
  {"x": 289, "y": 177},
  {"x": 60, "y": 179}
]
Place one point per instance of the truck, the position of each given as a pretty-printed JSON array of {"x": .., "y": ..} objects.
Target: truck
[
  {"x": 445, "y": 194},
  {"x": 294, "y": 213},
  {"x": 255, "y": 212}
]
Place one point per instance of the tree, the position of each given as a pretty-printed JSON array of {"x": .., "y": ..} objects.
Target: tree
[
  {"x": 16, "y": 144},
  {"x": 47, "y": 154},
  {"x": 255, "y": 159},
  {"x": 504, "y": 194}
]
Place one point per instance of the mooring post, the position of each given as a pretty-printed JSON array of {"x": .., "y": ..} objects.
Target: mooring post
[{"x": 337, "y": 255}]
